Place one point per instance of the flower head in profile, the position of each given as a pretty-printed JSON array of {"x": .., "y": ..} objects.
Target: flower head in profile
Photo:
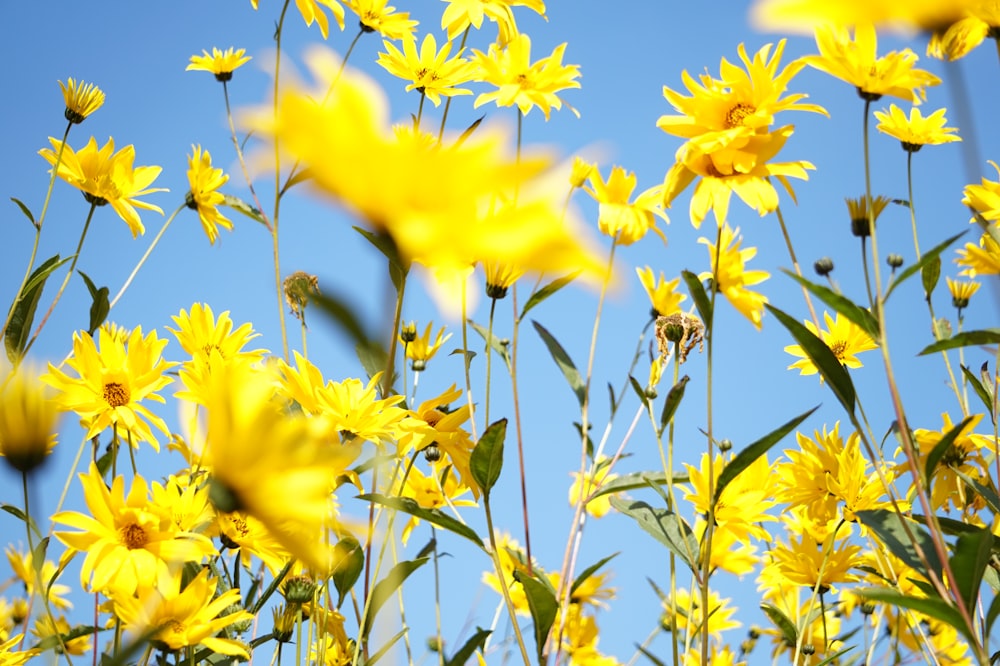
[
  {"x": 663, "y": 295},
  {"x": 862, "y": 215},
  {"x": 312, "y": 10},
  {"x": 82, "y": 99},
  {"x": 114, "y": 377},
  {"x": 460, "y": 15},
  {"x": 107, "y": 177},
  {"x": 731, "y": 276},
  {"x": 28, "y": 418},
  {"x": 984, "y": 198},
  {"x": 435, "y": 425},
  {"x": 429, "y": 71},
  {"x": 500, "y": 276},
  {"x": 204, "y": 196},
  {"x": 981, "y": 259},
  {"x": 376, "y": 16},
  {"x": 220, "y": 63},
  {"x": 620, "y": 219},
  {"x": 844, "y": 338},
  {"x": 979, "y": 21},
  {"x": 961, "y": 292},
  {"x": 581, "y": 171},
  {"x": 967, "y": 455},
  {"x": 421, "y": 349},
  {"x": 916, "y": 130},
  {"x": 685, "y": 611},
  {"x": 522, "y": 82},
  {"x": 856, "y": 61}
]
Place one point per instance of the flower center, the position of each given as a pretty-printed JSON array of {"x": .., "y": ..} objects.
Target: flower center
[
  {"x": 736, "y": 115},
  {"x": 132, "y": 536},
  {"x": 175, "y": 627},
  {"x": 239, "y": 525},
  {"x": 116, "y": 395},
  {"x": 838, "y": 348}
]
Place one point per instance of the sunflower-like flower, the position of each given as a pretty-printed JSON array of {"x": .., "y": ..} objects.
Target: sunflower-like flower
[
  {"x": 500, "y": 276},
  {"x": 377, "y": 16},
  {"x": 731, "y": 276},
  {"x": 855, "y": 60},
  {"x": 430, "y": 71},
  {"x": 39, "y": 579},
  {"x": 742, "y": 507},
  {"x": 204, "y": 196},
  {"x": 626, "y": 222},
  {"x": 82, "y": 99},
  {"x": 220, "y": 63},
  {"x": 917, "y": 130},
  {"x": 961, "y": 292},
  {"x": 585, "y": 485},
  {"x": 805, "y": 563},
  {"x": 113, "y": 377},
  {"x": 203, "y": 335},
  {"x": 685, "y": 610},
  {"x": 981, "y": 259},
  {"x": 967, "y": 456},
  {"x": 107, "y": 177},
  {"x": 436, "y": 490},
  {"x": 861, "y": 217},
  {"x": 662, "y": 294},
  {"x": 521, "y": 82},
  {"x": 355, "y": 409},
  {"x": 28, "y": 419},
  {"x": 980, "y": 20},
  {"x": 844, "y": 338},
  {"x": 462, "y": 14},
  {"x": 984, "y": 198},
  {"x": 312, "y": 10},
  {"x": 421, "y": 349}
]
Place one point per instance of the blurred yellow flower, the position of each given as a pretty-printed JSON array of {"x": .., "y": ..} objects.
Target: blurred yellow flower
[
  {"x": 82, "y": 99},
  {"x": 10, "y": 655},
  {"x": 47, "y": 628},
  {"x": 204, "y": 196},
  {"x": 979, "y": 20},
  {"x": 584, "y": 486},
  {"x": 28, "y": 418},
  {"x": 686, "y": 610},
  {"x": 375, "y": 16},
  {"x": 311, "y": 10},
  {"x": 917, "y": 130},
  {"x": 421, "y": 349},
  {"x": 902, "y": 15},
  {"x": 625, "y": 222},
  {"x": 106, "y": 177},
  {"x": 662, "y": 294},
  {"x": 581, "y": 171},
  {"x": 731, "y": 276},
  {"x": 220, "y": 63},
  {"x": 844, "y": 338},
  {"x": 40, "y": 579},
  {"x": 981, "y": 259},
  {"x": 984, "y": 199},
  {"x": 430, "y": 71},
  {"x": 460, "y": 15}
]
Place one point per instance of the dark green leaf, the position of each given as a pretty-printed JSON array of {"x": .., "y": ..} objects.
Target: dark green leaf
[
  {"x": 665, "y": 526},
  {"x": 611, "y": 398},
  {"x": 984, "y": 394},
  {"x": 858, "y": 315},
  {"x": 428, "y": 548},
  {"x": 927, "y": 258},
  {"x": 486, "y": 460},
  {"x": 957, "y": 528},
  {"x": 992, "y": 614},
  {"x": 640, "y": 393},
  {"x": 464, "y": 654},
  {"x": 968, "y": 562},
  {"x": 470, "y": 129},
  {"x": 637, "y": 480},
  {"x": 300, "y": 175},
  {"x": 22, "y": 313},
  {"x": 343, "y": 314},
  {"x": 590, "y": 571},
  {"x": 837, "y": 655},
  {"x": 819, "y": 353},
  {"x": 941, "y": 448},
  {"x": 383, "y": 242},
  {"x": 936, "y": 608},
  {"x": 789, "y": 634},
  {"x": 649, "y": 655},
  {"x": 350, "y": 561},
  {"x": 929, "y": 275},
  {"x": 241, "y": 206},
  {"x": 385, "y": 588},
  {"x": 543, "y": 607},
  {"x": 24, "y": 209},
  {"x": 988, "y": 494},
  {"x": 564, "y": 362},
  {"x": 18, "y": 513},
  {"x": 747, "y": 456},
  {"x": 589, "y": 444},
  {"x": 894, "y": 532},
  {"x": 99, "y": 306},
  {"x": 545, "y": 292},
  {"x": 434, "y": 516},
  {"x": 699, "y": 296},
  {"x": 672, "y": 402},
  {"x": 52, "y": 641},
  {"x": 989, "y": 336},
  {"x": 495, "y": 343},
  {"x": 373, "y": 359}
]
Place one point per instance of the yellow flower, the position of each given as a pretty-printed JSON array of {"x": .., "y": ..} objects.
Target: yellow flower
[
  {"x": 581, "y": 171},
  {"x": 982, "y": 259},
  {"x": 902, "y": 15},
  {"x": 500, "y": 276},
  {"x": 626, "y": 222},
  {"x": 107, "y": 177},
  {"x": 129, "y": 542},
  {"x": 805, "y": 563},
  {"x": 421, "y": 349},
  {"x": 47, "y": 628},
  {"x": 662, "y": 294},
  {"x": 916, "y": 131},
  {"x": 82, "y": 99},
  {"x": 184, "y": 617},
  {"x": 10, "y": 655},
  {"x": 239, "y": 530},
  {"x": 434, "y": 491},
  {"x": 844, "y": 338},
  {"x": 114, "y": 376},
  {"x": 204, "y": 196},
  {"x": 355, "y": 409},
  {"x": 984, "y": 199},
  {"x": 717, "y": 657},
  {"x": 731, "y": 276},
  {"x": 519, "y": 81},
  {"x": 311, "y": 10},
  {"x": 966, "y": 455},
  {"x": 220, "y": 63},
  {"x": 686, "y": 610},
  {"x": 375, "y": 16},
  {"x": 584, "y": 486},
  {"x": 202, "y": 335},
  {"x": 856, "y": 61},
  {"x": 28, "y": 419},
  {"x": 38, "y": 580},
  {"x": 743, "y": 505},
  {"x": 961, "y": 291},
  {"x": 857, "y": 210},
  {"x": 980, "y": 19},
  {"x": 462, "y": 14},
  {"x": 512, "y": 558},
  {"x": 430, "y": 71}
]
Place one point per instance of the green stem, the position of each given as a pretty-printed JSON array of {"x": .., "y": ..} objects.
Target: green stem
[
  {"x": 447, "y": 103},
  {"x": 495, "y": 556},
  {"x": 277, "y": 188},
  {"x": 795, "y": 264},
  {"x": 489, "y": 359},
  {"x": 517, "y": 424}
]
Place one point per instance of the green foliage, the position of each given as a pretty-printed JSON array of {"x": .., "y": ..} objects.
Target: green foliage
[
  {"x": 99, "y": 306},
  {"x": 564, "y": 362},
  {"x": 543, "y": 606},
  {"x": 486, "y": 461},
  {"x": 699, "y": 296},
  {"x": 433, "y": 516},
  {"x": 22, "y": 312},
  {"x": 859, "y": 316},
  {"x": 384, "y": 589},
  {"x": 665, "y": 526},
  {"x": 545, "y": 292}
]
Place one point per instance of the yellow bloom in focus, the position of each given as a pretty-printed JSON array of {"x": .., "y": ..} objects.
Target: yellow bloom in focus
[
  {"x": 434, "y": 426},
  {"x": 114, "y": 377},
  {"x": 28, "y": 419},
  {"x": 805, "y": 563},
  {"x": 431, "y": 72},
  {"x": 185, "y": 618},
  {"x": 662, "y": 294},
  {"x": 961, "y": 291},
  {"x": 37, "y": 581},
  {"x": 421, "y": 349},
  {"x": 204, "y": 196},
  {"x": 106, "y": 177},
  {"x": 521, "y": 82},
  {"x": 584, "y": 486},
  {"x": 375, "y": 16},
  {"x": 916, "y": 131},
  {"x": 982, "y": 259},
  {"x": 129, "y": 541},
  {"x": 203, "y": 335},
  {"x": 355, "y": 410},
  {"x": 436, "y": 490},
  {"x": 625, "y": 222},
  {"x": 731, "y": 276},
  {"x": 855, "y": 60},
  {"x": 744, "y": 503},
  {"x": 686, "y": 610},
  {"x": 967, "y": 455},
  {"x": 500, "y": 277},
  {"x": 980, "y": 20},
  {"x": 984, "y": 199},
  {"x": 82, "y": 99},
  {"x": 902, "y": 15},
  {"x": 220, "y": 63},
  {"x": 844, "y": 338},
  {"x": 462, "y": 14}
]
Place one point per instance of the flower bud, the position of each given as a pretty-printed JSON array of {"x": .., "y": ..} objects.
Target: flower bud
[{"x": 823, "y": 266}]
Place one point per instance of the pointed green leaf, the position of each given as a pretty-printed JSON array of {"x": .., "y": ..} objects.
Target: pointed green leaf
[
  {"x": 470, "y": 129},
  {"x": 52, "y": 641},
  {"x": 984, "y": 394},
  {"x": 829, "y": 367},
  {"x": 835, "y": 657},
  {"x": 373, "y": 359},
  {"x": 22, "y": 313},
  {"x": 486, "y": 460},
  {"x": 649, "y": 655},
  {"x": 545, "y": 292},
  {"x": 858, "y": 315},
  {"x": 789, "y": 634},
  {"x": 672, "y": 402},
  {"x": 930, "y": 273},
  {"x": 564, "y": 362},
  {"x": 543, "y": 606},
  {"x": 300, "y": 175},
  {"x": 955, "y": 527},
  {"x": 26, "y": 211},
  {"x": 382, "y": 651},
  {"x": 747, "y": 456},
  {"x": 385, "y": 588},
  {"x": 941, "y": 448},
  {"x": 927, "y": 258},
  {"x": 496, "y": 344},
  {"x": 894, "y": 532},
  {"x": 992, "y": 614},
  {"x": 99, "y": 306},
  {"x": 464, "y": 654},
  {"x": 241, "y": 206},
  {"x": 350, "y": 561},
  {"x": 699, "y": 296},
  {"x": 409, "y": 506},
  {"x": 970, "y": 556},
  {"x": 590, "y": 571},
  {"x": 398, "y": 267},
  {"x": 637, "y": 480},
  {"x": 611, "y": 399},
  {"x": 18, "y": 513},
  {"x": 640, "y": 393},
  {"x": 988, "y": 336},
  {"x": 936, "y": 608},
  {"x": 665, "y": 526}
]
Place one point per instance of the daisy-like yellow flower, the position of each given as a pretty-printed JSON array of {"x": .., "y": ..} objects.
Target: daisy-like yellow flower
[
  {"x": 662, "y": 294},
  {"x": 844, "y": 338},
  {"x": 129, "y": 541},
  {"x": 979, "y": 21},
  {"x": 512, "y": 558},
  {"x": 857, "y": 210},
  {"x": 966, "y": 455},
  {"x": 584, "y": 486},
  {"x": 377, "y": 16},
  {"x": 685, "y": 609},
  {"x": 355, "y": 409},
  {"x": 430, "y": 71},
  {"x": 961, "y": 291},
  {"x": 462, "y": 14},
  {"x": 203, "y": 335},
  {"x": 113, "y": 377},
  {"x": 82, "y": 99},
  {"x": 723, "y": 656},
  {"x": 581, "y": 171},
  {"x": 805, "y": 563},
  {"x": 420, "y": 349},
  {"x": 28, "y": 419},
  {"x": 239, "y": 530},
  {"x": 106, "y": 177},
  {"x": 10, "y": 655},
  {"x": 521, "y": 82},
  {"x": 38, "y": 580},
  {"x": 436, "y": 490},
  {"x": 185, "y": 618},
  {"x": 46, "y": 629},
  {"x": 902, "y": 15},
  {"x": 917, "y": 130},
  {"x": 981, "y": 259},
  {"x": 743, "y": 505},
  {"x": 220, "y": 63},
  {"x": 500, "y": 277},
  {"x": 626, "y": 222},
  {"x": 855, "y": 60},
  {"x": 204, "y": 196},
  {"x": 731, "y": 276},
  {"x": 312, "y": 10},
  {"x": 984, "y": 198}
]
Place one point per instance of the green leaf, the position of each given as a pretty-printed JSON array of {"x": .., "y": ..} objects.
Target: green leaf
[
  {"x": 495, "y": 344},
  {"x": 747, "y": 456},
  {"x": 988, "y": 336},
  {"x": 968, "y": 561},
  {"x": 300, "y": 175},
  {"x": 373, "y": 359},
  {"x": 545, "y": 292},
  {"x": 665, "y": 526},
  {"x": 26, "y": 211},
  {"x": 858, "y": 315},
  {"x": 640, "y": 393},
  {"x": 936, "y": 608},
  {"x": 927, "y": 258},
  {"x": 409, "y": 506},
  {"x": 649, "y": 655},
  {"x": 891, "y": 530},
  {"x": 22, "y": 314},
  {"x": 470, "y": 129},
  {"x": 398, "y": 267},
  {"x": 789, "y": 634},
  {"x": 699, "y": 296},
  {"x": 957, "y": 528},
  {"x": 543, "y": 607},
  {"x": 986, "y": 395},
  {"x": 929, "y": 275},
  {"x": 672, "y": 402},
  {"x": 99, "y": 306},
  {"x": 486, "y": 460},
  {"x": 637, "y": 480},
  {"x": 992, "y": 614},
  {"x": 18, "y": 513},
  {"x": 50, "y": 642},
  {"x": 590, "y": 571},
  {"x": 988, "y": 494},
  {"x": 834, "y": 658},
  {"x": 385, "y": 588},
  {"x": 829, "y": 367},
  {"x": 464, "y": 654},
  {"x": 241, "y": 206},
  {"x": 350, "y": 561},
  {"x": 941, "y": 448},
  {"x": 564, "y": 362},
  {"x": 384, "y": 650}
]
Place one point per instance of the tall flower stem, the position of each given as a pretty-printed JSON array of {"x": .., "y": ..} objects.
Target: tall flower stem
[
  {"x": 240, "y": 156},
  {"x": 489, "y": 359},
  {"x": 517, "y": 424},
  {"x": 277, "y": 188},
  {"x": 795, "y": 264},
  {"x": 498, "y": 565},
  {"x": 142, "y": 261}
]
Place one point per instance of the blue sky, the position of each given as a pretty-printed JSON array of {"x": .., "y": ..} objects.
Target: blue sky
[{"x": 137, "y": 53}]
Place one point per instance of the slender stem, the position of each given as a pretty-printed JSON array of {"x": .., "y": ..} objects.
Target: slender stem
[
  {"x": 912, "y": 205},
  {"x": 517, "y": 425},
  {"x": 498, "y": 565},
  {"x": 489, "y": 359},
  {"x": 447, "y": 103},
  {"x": 420, "y": 111},
  {"x": 304, "y": 328},
  {"x": 437, "y": 599},
  {"x": 242, "y": 159},
  {"x": 277, "y": 188},
  {"x": 467, "y": 362},
  {"x": 795, "y": 264},
  {"x": 149, "y": 251}
]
